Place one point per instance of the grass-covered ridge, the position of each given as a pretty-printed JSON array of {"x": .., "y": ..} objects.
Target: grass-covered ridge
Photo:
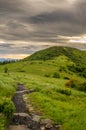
[
  {"x": 52, "y": 52},
  {"x": 58, "y": 75},
  {"x": 77, "y": 57}
]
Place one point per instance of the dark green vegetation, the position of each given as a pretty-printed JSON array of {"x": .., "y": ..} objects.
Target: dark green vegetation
[
  {"x": 58, "y": 75},
  {"x": 7, "y": 89}
]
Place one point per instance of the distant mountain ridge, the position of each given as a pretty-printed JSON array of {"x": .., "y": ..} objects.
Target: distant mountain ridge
[{"x": 7, "y": 59}]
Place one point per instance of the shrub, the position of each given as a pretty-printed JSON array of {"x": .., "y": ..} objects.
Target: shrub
[
  {"x": 76, "y": 84},
  {"x": 47, "y": 75},
  {"x": 3, "y": 122},
  {"x": 56, "y": 75},
  {"x": 7, "y": 107},
  {"x": 68, "y": 83},
  {"x": 71, "y": 83},
  {"x": 82, "y": 86},
  {"x": 66, "y": 78},
  {"x": 84, "y": 73},
  {"x": 64, "y": 91},
  {"x": 5, "y": 70},
  {"x": 62, "y": 68}
]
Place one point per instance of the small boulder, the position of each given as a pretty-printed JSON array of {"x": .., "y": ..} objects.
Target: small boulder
[
  {"x": 36, "y": 118},
  {"x": 46, "y": 121},
  {"x": 49, "y": 125},
  {"x": 42, "y": 128},
  {"x": 58, "y": 127}
]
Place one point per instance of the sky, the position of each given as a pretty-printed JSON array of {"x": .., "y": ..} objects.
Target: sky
[{"x": 30, "y": 25}]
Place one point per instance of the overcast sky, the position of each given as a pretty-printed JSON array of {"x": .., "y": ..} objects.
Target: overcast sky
[{"x": 29, "y": 25}]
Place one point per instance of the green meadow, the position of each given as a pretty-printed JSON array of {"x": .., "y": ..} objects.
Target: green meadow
[{"x": 58, "y": 75}]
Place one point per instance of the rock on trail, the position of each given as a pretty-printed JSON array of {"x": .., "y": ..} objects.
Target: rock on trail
[{"x": 19, "y": 127}]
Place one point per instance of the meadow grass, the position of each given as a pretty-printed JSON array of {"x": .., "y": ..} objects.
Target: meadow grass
[{"x": 52, "y": 99}]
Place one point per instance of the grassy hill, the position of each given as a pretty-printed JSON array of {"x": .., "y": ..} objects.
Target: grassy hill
[
  {"x": 52, "y": 52},
  {"x": 77, "y": 57},
  {"x": 62, "y": 60},
  {"x": 58, "y": 75}
]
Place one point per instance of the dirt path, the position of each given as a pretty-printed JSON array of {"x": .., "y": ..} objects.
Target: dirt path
[
  {"x": 21, "y": 120},
  {"x": 18, "y": 99},
  {"x": 24, "y": 121}
]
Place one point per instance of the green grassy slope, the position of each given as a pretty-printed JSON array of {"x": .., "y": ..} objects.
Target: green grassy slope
[
  {"x": 58, "y": 76},
  {"x": 52, "y": 52},
  {"x": 63, "y": 60},
  {"x": 77, "y": 57}
]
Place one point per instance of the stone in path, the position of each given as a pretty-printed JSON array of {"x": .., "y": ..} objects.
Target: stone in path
[{"x": 19, "y": 127}]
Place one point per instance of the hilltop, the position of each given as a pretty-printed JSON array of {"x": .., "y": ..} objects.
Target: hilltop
[
  {"x": 69, "y": 58},
  {"x": 52, "y": 52}
]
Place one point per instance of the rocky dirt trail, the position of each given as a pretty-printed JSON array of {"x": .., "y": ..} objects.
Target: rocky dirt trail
[{"x": 24, "y": 121}]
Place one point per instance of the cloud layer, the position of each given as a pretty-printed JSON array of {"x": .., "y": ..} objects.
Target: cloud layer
[{"x": 30, "y": 25}]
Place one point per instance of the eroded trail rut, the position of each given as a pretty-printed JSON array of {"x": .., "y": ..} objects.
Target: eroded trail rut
[
  {"x": 24, "y": 121},
  {"x": 21, "y": 120},
  {"x": 18, "y": 99}
]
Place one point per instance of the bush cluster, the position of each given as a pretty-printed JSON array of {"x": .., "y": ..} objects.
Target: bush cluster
[
  {"x": 7, "y": 107},
  {"x": 76, "y": 84},
  {"x": 70, "y": 83},
  {"x": 82, "y": 87},
  {"x": 64, "y": 91},
  {"x": 56, "y": 75}
]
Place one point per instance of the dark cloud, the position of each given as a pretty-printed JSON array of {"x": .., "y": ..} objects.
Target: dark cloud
[
  {"x": 64, "y": 21},
  {"x": 56, "y": 16},
  {"x": 12, "y": 49},
  {"x": 6, "y": 45},
  {"x": 39, "y": 21}
]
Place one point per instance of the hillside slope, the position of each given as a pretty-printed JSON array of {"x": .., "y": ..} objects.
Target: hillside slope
[
  {"x": 68, "y": 58},
  {"x": 58, "y": 75},
  {"x": 63, "y": 60},
  {"x": 52, "y": 52}
]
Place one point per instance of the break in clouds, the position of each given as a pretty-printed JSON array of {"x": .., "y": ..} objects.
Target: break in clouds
[{"x": 30, "y": 25}]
